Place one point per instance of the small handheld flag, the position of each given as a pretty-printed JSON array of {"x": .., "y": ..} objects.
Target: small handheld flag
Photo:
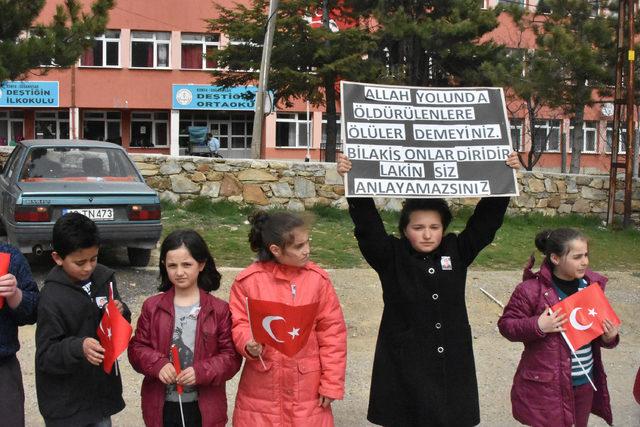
[
  {"x": 175, "y": 359},
  {"x": 114, "y": 333},
  {"x": 5, "y": 260}
]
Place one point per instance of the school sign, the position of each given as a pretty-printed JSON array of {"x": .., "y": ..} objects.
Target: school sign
[
  {"x": 29, "y": 94},
  {"x": 426, "y": 142},
  {"x": 206, "y": 97}
]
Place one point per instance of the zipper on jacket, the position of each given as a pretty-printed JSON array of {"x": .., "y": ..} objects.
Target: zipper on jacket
[{"x": 293, "y": 291}]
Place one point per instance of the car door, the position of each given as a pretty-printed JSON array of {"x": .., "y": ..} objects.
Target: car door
[{"x": 8, "y": 177}]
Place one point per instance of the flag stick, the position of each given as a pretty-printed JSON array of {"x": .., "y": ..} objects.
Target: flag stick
[
  {"x": 117, "y": 370},
  {"x": 578, "y": 359},
  {"x": 176, "y": 364},
  {"x": 246, "y": 303}
]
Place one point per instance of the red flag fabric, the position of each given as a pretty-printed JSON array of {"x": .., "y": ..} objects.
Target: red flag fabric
[
  {"x": 5, "y": 260},
  {"x": 585, "y": 311},
  {"x": 283, "y": 327},
  {"x": 175, "y": 359},
  {"x": 114, "y": 333}
]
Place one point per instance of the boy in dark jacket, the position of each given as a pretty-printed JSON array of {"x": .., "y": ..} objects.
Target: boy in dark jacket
[
  {"x": 72, "y": 387},
  {"x": 20, "y": 294}
]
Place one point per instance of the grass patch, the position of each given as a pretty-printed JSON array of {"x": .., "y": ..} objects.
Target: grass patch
[{"x": 224, "y": 226}]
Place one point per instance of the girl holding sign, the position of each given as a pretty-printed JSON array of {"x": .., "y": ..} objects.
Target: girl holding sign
[
  {"x": 186, "y": 316},
  {"x": 423, "y": 370},
  {"x": 288, "y": 324},
  {"x": 554, "y": 385}
]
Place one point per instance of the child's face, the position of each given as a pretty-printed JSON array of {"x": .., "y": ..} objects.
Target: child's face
[
  {"x": 182, "y": 269},
  {"x": 78, "y": 265},
  {"x": 574, "y": 264},
  {"x": 424, "y": 230},
  {"x": 295, "y": 254}
]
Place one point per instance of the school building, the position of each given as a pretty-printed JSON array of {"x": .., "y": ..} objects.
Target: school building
[{"x": 146, "y": 80}]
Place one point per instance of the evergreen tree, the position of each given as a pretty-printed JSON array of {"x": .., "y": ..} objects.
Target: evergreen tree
[
  {"x": 435, "y": 42},
  {"x": 25, "y": 44},
  {"x": 306, "y": 63},
  {"x": 577, "y": 45}
]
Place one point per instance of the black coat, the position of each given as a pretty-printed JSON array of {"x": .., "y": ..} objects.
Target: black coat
[
  {"x": 71, "y": 391},
  {"x": 423, "y": 371}
]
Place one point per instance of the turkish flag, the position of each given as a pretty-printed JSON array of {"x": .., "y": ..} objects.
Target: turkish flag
[
  {"x": 585, "y": 311},
  {"x": 114, "y": 333},
  {"x": 283, "y": 327},
  {"x": 5, "y": 260}
]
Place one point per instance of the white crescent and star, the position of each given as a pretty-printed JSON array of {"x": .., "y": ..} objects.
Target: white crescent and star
[
  {"x": 266, "y": 324},
  {"x": 574, "y": 322}
]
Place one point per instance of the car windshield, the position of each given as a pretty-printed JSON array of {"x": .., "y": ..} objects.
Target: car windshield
[{"x": 77, "y": 164}]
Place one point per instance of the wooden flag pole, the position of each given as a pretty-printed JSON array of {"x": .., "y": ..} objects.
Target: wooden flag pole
[{"x": 246, "y": 303}]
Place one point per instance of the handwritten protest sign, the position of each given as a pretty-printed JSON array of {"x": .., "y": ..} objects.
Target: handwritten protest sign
[{"x": 426, "y": 142}]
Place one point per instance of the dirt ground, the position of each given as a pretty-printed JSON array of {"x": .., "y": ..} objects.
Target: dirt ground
[{"x": 360, "y": 295}]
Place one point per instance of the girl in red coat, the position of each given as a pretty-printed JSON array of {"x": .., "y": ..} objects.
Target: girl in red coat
[
  {"x": 286, "y": 381},
  {"x": 550, "y": 389},
  {"x": 199, "y": 325}
]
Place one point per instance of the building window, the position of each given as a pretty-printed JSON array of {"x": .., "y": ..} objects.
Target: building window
[
  {"x": 196, "y": 48},
  {"x": 102, "y": 126},
  {"x": 11, "y": 127},
  {"x": 516, "y": 127},
  {"x": 590, "y": 135},
  {"x": 291, "y": 129},
  {"x": 323, "y": 143},
  {"x": 52, "y": 124},
  {"x": 105, "y": 51},
  {"x": 150, "y": 50},
  {"x": 546, "y": 135},
  {"x": 149, "y": 129},
  {"x": 520, "y": 3},
  {"x": 622, "y": 147}
]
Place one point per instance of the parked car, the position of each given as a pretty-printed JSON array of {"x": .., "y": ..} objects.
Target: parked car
[{"x": 44, "y": 179}]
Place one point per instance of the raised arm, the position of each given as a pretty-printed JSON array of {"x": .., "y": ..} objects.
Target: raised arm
[
  {"x": 373, "y": 240},
  {"x": 481, "y": 227}
]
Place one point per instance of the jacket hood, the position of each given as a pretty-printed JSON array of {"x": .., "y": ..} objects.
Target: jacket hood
[{"x": 545, "y": 274}]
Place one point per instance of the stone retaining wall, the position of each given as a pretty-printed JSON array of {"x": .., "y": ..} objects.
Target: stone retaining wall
[{"x": 297, "y": 186}]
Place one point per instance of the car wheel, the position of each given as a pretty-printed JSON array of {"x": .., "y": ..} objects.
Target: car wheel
[{"x": 139, "y": 257}]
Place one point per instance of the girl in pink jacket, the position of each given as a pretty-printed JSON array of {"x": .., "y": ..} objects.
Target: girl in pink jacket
[
  {"x": 550, "y": 389},
  {"x": 187, "y": 316},
  {"x": 296, "y": 350}
]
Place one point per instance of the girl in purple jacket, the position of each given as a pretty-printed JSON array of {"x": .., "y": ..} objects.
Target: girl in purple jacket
[
  {"x": 199, "y": 325},
  {"x": 550, "y": 389}
]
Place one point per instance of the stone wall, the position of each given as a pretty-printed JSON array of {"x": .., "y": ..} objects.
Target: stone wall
[{"x": 297, "y": 186}]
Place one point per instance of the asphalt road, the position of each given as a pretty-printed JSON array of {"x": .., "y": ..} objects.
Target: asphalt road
[{"x": 360, "y": 295}]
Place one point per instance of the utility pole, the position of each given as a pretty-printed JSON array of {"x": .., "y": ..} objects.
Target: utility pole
[
  {"x": 626, "y": 52},
  {"x": 263, "y": 81}
]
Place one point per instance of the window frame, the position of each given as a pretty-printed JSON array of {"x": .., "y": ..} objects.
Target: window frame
[
  {"x": 297, "y": 122},
  {"x": 152, "y": 117},
  {"x": 58, "y": 120},
  {"x": 585, "y": 131},
  {"x": 135, "y": 38},
  {"x": 105, "y": 40},
  {"x": 204, "y": 44},
  {"x": 11, "y": 117},
  {"x": 548, "y": 128},
  {"x": 622, "y": 147},
  {"x": 517, "y": 124},
  {"x": 104, "y": 120}
]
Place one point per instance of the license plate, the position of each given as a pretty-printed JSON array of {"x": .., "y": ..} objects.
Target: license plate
[{"x": 96, "y": 214}]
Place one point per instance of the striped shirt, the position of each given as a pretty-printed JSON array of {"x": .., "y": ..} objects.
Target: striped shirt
[{"x": 583, "y": 358}]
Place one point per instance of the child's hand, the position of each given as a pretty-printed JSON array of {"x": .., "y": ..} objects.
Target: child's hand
[
  {"x": 93, "y": 351},
  {"x": 610, "y": 331},
  {"x": 119, "y": 305},
  {"x": 513, "y": 161},
  {"x": 187, "y": 377},
  {"x": 551, "y": 322},
  {"x": 324, "y": 401},
  {"x": 343, "y": 164},
  {"x": 167, "y": 374},
  {"x": 253, "y": 348}
]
